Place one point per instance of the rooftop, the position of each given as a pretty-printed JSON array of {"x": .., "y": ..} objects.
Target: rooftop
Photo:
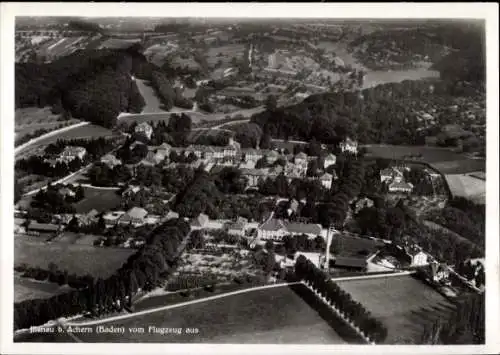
[{"x": 137, "y": 212}]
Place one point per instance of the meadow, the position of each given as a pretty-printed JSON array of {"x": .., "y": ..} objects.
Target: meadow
[
  {"x": 276, "y": 315},
  {"x": 76, "y": 258},
  {"x": 403, "y": 303},
  {"x": 99, "y": 199}
]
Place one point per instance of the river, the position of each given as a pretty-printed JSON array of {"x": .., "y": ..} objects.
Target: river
[{"x": 377, "y": 77}]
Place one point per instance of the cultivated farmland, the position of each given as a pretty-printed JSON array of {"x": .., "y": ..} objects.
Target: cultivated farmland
[
  {"x": 30, "y": 119},
  {"x": 27, "y": 289},
  {"x": 77, "y": 259},
  {"x": 467, "y": 186},
  {"x": 276, "y": 315},
  {"x": 402, "y": 303}
]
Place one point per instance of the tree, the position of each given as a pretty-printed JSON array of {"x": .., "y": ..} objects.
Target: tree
[
  {"x": 271, "y": 103},
  {"x": 269, "y": 245},
  {"x": 265, "y": 141}
]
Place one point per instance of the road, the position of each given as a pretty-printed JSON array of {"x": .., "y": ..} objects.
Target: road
[
  {"x": 47, "y": 135},
  {"x": 60, "y": 181},
  {"x": 182, "y": 304}
]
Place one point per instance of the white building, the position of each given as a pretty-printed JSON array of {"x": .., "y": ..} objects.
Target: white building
[
  {"x": 70, "y": 153},
  {"x": 349, "y": 145},
  {"x": 329, "y": 160},
  {"x": 403, "y": 187},
  {"x": 326, "y": 180}
]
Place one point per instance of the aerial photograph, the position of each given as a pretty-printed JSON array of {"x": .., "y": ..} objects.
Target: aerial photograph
[{"x": 249, "y": 180}]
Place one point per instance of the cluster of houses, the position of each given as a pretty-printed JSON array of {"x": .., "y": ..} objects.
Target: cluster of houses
[
  {"x": 395, "y": 180},
  {"x": 68, "y": 154}
]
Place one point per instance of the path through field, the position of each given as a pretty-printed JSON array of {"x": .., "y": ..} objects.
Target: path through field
[{"x": 153, "y": 103}]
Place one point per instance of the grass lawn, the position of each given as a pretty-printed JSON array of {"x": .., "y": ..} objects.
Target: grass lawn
[
  {"x": 78, "y": 259},
  {"x": 466, "y": 186},
  {"x": 27, "y": 289},
  {"x": 429, "y": 154},
  {"x": 153, "y": 103},
  {"x": 101, "y": 200},
  {"x": 87, "y": 131},
  {"x": 276, "y": 315},
  {"x": 403, "y": 304}
]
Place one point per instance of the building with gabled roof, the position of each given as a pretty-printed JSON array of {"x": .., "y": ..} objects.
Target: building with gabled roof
[
  {"x": 200, "y": 221},
  {"x": 329, "y": 160},
  {"x": 404, "y": 187},
  {"x": 135, "y": 216}
]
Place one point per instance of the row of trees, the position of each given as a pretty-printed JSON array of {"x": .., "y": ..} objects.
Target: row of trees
[
  {"x": 340, "y": 299},
  {"x": 465, "y": 325},
  {"x": 143, "y": 270},
  {"x": 53, "y": 274},
  {"x": 51, "y": 200}
]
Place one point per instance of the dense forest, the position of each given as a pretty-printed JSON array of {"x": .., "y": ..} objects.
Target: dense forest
[
  {"x": 389, "y": 113},
  {"x": 93, "y": 85}
]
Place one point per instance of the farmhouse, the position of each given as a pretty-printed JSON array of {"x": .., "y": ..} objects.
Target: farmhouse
[
  {"x": 111, "y": 161},
  {"x": 144, "y": 128},
  {"x": 329, "y": 160},
  {"x": 70, "y": 153},
  {"x": 275, "y": 229},
  {"x": 135, "y": 216},
  {"x": 356, "y": 263},
  {"x": 35, "y": 228}
]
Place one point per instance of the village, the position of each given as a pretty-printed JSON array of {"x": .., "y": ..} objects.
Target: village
[{"x": 337, "y": 251}]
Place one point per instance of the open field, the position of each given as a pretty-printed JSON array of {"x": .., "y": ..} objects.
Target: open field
[
  {"x": 27, "y": 289},
  {"x": 153, "y": 104},
  {"x": 378, "y": 77},
  {"x": 403, "y": 304},
  {"x": 62, "y": 46},
  {"x": 460, "y": 166},
  {"x": 356, "y": 246},
  {"x": 275, "y": 315},
  {"x": 30, "y": 119},
  {"x": 77, "y": 259},
  {"x": 467, "y": 186},
  {"x": 99, "y": 199}
]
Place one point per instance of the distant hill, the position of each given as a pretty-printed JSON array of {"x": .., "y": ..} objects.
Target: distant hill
[
  {"x": 93, "y": 85},
  {"x": 387, "y": 113}
]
